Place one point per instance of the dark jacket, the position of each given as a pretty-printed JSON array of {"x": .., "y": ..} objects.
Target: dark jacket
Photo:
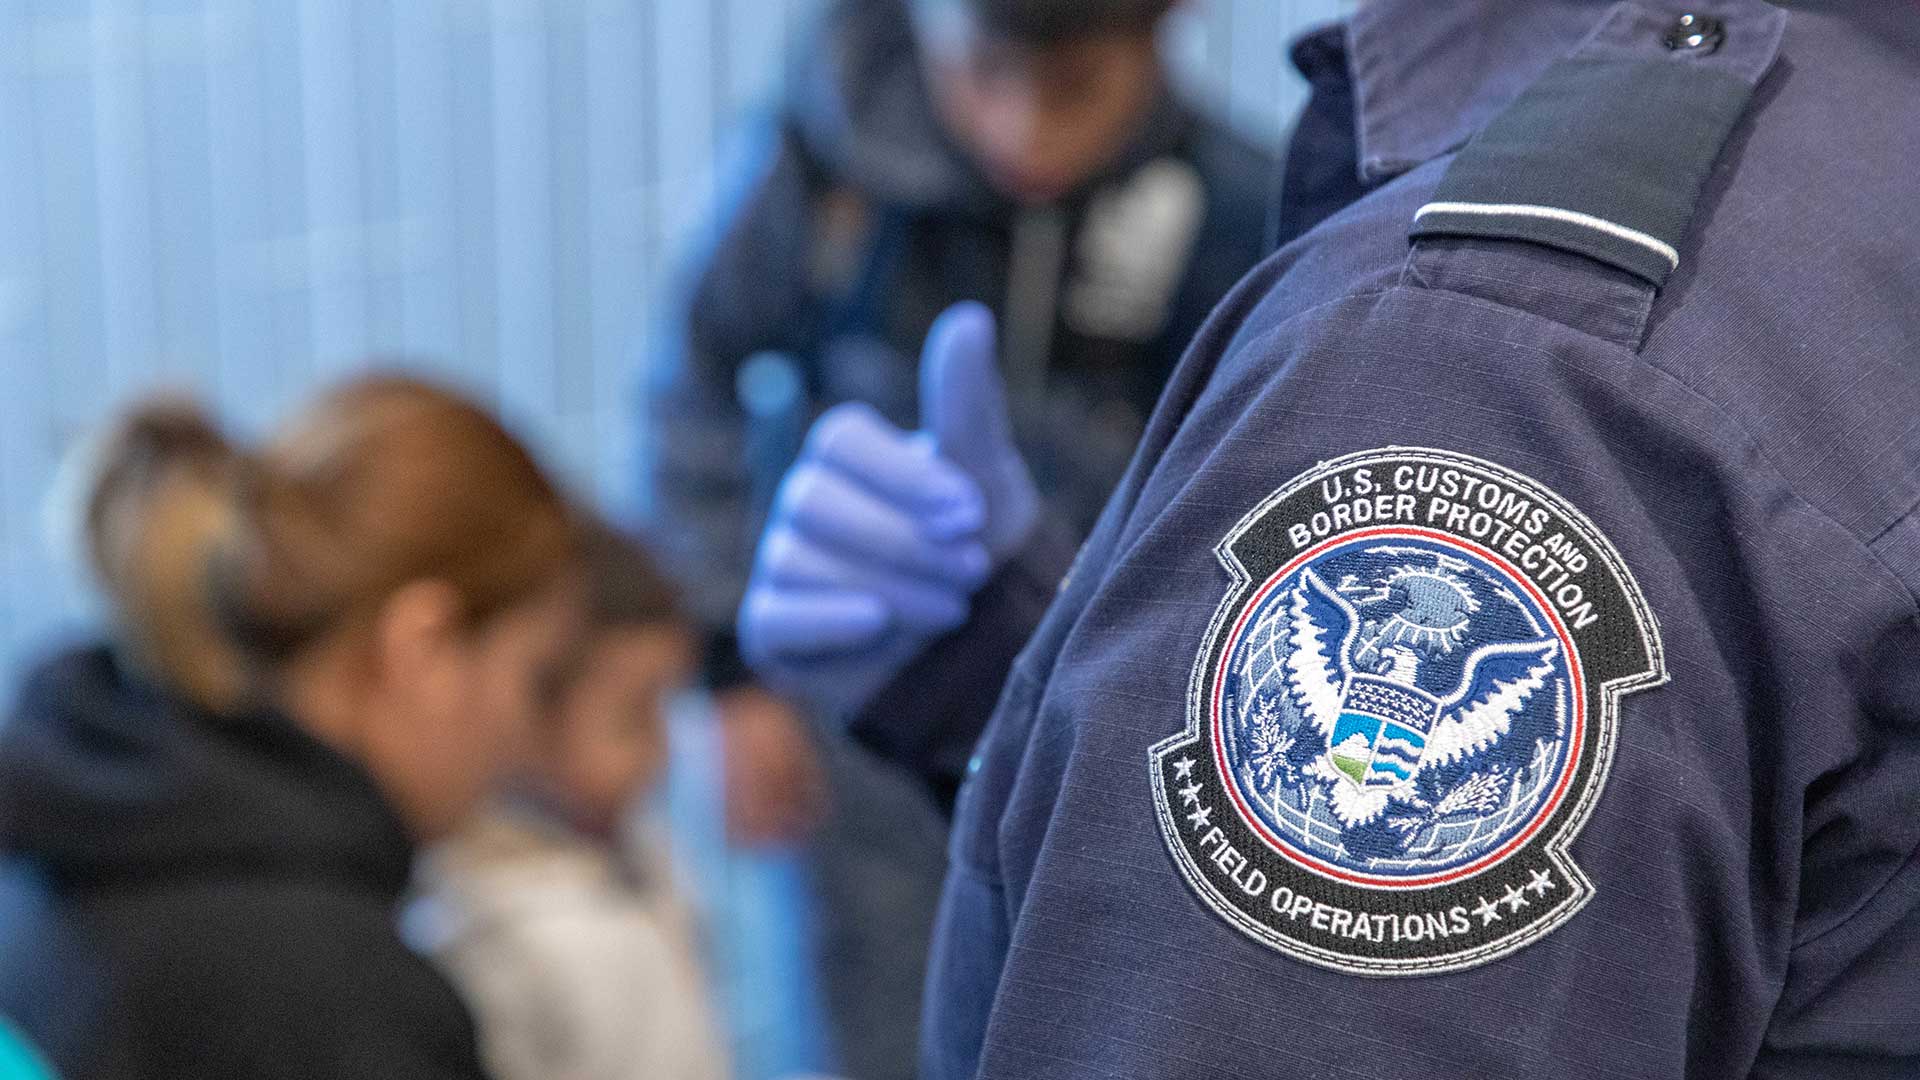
[
  {"x": 188, "y": 896},
  {"x": 858, "y": 224}
]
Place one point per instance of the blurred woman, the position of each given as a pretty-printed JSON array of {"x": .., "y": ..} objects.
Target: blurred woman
[
  {"x": 557, "y": 910},
  {"x": 322, "y": 654}
]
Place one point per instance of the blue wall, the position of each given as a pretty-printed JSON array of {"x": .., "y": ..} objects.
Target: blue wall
[{"x": 246, "y": 196}]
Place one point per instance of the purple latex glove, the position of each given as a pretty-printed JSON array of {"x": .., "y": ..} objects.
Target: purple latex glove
[{"x": 879, "y": 537}]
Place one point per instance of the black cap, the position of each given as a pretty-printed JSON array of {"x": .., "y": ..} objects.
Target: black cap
[{"x": 1050, "y": 22}]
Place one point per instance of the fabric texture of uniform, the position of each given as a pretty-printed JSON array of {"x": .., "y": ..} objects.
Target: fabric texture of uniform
[
  {"x": 184, "y": 895},
  {"x": 1743, "y": 433},
  {"x": 856, "y": 225},
  {"x": 581, "y": 963}
]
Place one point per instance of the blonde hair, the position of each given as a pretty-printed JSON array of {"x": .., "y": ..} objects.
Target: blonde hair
[{"x": 220, "y": 564}]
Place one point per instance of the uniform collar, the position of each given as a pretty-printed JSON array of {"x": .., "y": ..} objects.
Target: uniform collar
[{"x": 1428, "y": 75}]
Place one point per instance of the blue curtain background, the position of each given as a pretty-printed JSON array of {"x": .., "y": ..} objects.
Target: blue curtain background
[{"x": 244, "y": 198}]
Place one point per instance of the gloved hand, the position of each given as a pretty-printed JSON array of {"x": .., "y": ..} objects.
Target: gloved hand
[
  {"x": 963, "y": 409},
  {"x": 879, "y": 537}
]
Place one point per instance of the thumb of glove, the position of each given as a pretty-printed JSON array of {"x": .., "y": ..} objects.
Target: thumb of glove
[{"x": 963, "y": 408}]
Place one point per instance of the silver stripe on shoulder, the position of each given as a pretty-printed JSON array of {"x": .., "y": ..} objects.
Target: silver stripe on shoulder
[{"x": 1554, "y": 213}]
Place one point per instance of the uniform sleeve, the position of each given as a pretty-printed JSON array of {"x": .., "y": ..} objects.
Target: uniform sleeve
[
  {"x": 974, "y": 929},
  {"x": 1191, "y": 851},
  {"x": 1850, "y": 1006},
  {"x": 707, "y": 466},
  {"x": 929, "y": 718},
  {"x": 1077, "y": 908}
]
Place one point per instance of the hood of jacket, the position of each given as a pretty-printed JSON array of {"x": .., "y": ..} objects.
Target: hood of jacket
[{"x": 104, "y": 778}]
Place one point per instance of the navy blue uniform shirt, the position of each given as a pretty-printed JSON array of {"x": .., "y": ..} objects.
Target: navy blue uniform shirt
[{"x": 1502, "y": 658}]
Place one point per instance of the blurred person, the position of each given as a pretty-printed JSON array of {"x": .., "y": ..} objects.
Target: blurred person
[
  {"x": 557, "y": 910},
  {"x": 321, "y": 653},
  {"x": 1030, "y": 155}
]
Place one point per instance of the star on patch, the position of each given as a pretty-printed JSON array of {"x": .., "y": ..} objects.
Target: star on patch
[
  {"x": 1202, "y": 816},
  {"x": 1190, "y": 794},
  {"x": 1515, "y": 899},
  {"x": 1542, "y": 881},
  {"x": 1183, "y": 769},
  {"x": 1488, "y": 911}
]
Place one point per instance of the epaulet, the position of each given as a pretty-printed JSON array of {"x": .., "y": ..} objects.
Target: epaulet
[{"x": 1607, "y": 152}]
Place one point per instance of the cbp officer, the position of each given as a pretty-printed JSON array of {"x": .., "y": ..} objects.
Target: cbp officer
[{"x": 1502, "y": 657}]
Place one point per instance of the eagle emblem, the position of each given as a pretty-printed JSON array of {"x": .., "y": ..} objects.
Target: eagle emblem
[{"x": 1382, "y": 730}]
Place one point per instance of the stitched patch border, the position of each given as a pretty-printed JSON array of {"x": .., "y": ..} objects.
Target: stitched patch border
[{"x": 1403, "y": 713}]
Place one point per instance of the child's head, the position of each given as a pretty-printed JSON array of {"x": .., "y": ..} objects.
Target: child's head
[
  {"x": 603, "y": 741},
  {"x": 1042, "y": 93},
  {"x": 392, "y": 570}
]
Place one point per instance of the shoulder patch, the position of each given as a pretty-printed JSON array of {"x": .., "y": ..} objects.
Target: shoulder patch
[{"x": 1403, "y": 713}]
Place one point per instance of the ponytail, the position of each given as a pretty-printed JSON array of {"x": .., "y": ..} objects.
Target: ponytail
[
  {"x": 221, "y": 565},
  {"x": 160, "y": 501}
]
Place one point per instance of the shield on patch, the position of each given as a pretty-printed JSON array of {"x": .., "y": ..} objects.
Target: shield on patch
[{"x": 1382, "y": 731}]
